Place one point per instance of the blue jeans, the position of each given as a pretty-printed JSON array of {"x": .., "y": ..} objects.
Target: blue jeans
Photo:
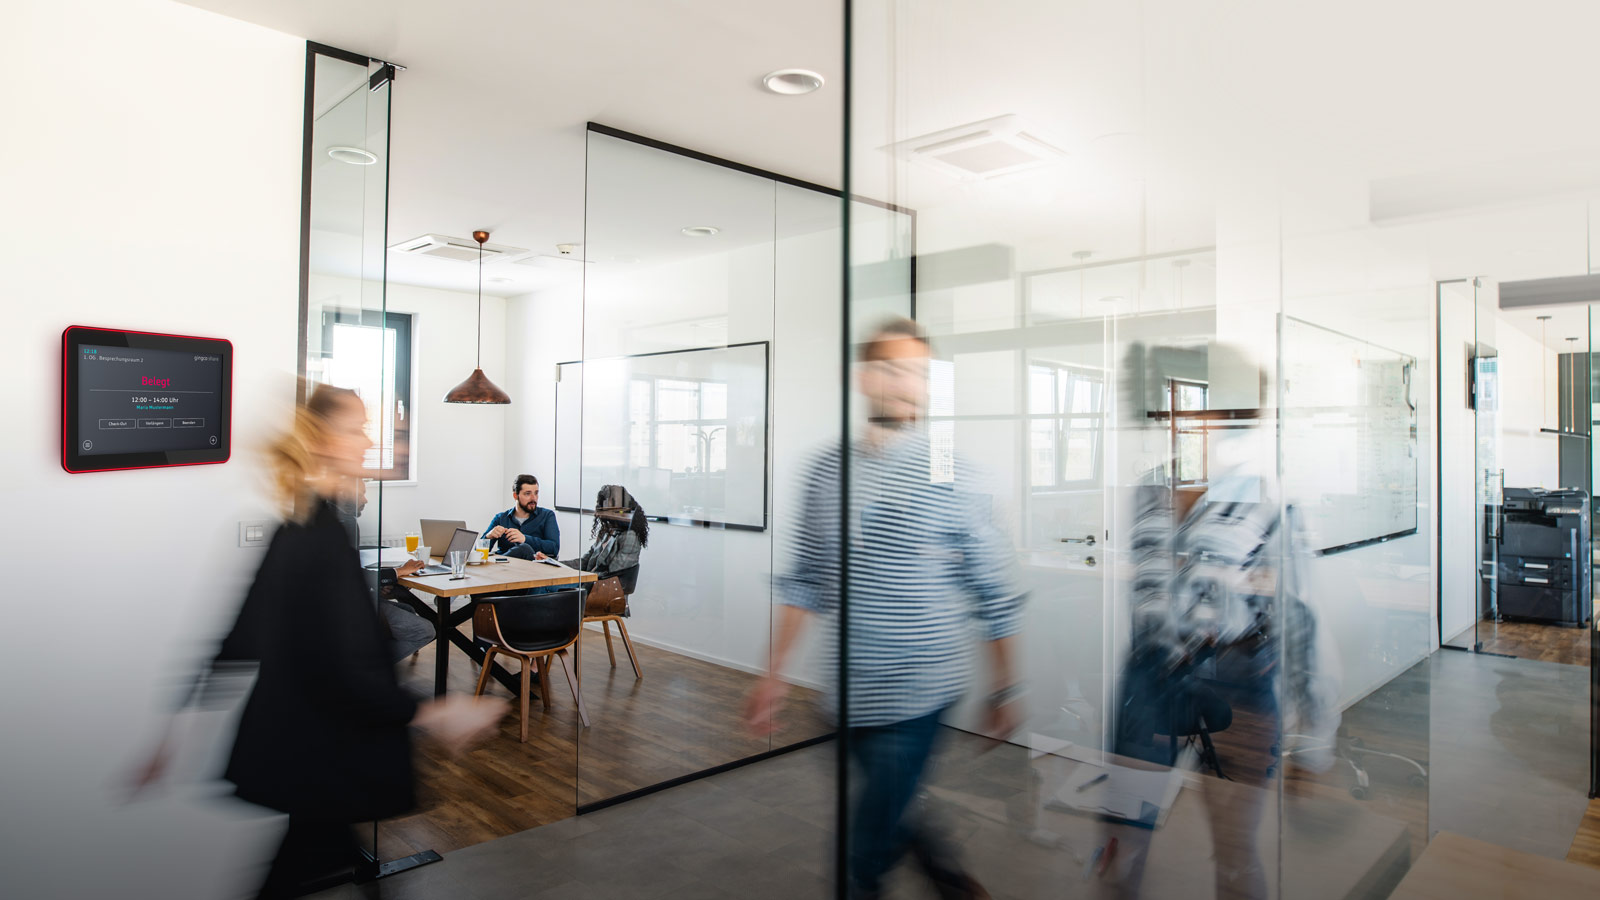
[{"x": 893, "y": 759}]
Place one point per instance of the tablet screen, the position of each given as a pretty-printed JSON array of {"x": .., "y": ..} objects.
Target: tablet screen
[{"x": 138, "y": 399}]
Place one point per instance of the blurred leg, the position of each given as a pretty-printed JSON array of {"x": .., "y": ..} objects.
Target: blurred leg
[
  {"x": 893, "y": 759},
  {"x": 311, "y": 849}
]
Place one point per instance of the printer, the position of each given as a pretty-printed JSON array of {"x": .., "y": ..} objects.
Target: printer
[{"x": 1543, "y": 571}]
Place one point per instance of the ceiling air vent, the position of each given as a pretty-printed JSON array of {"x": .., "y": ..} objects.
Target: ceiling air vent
[
  {"x": 441, "y": 246},
  {"x": 988, "y": 149}
]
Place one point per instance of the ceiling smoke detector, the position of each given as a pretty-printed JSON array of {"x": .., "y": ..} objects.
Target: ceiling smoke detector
[
  {"x": 566, "y": 249},
  {"x": 991, "y": 148},
  {"x": 441, "y": 246}
]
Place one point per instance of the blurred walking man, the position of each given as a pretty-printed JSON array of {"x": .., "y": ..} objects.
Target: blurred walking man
[{"x": 925, "y": 561}]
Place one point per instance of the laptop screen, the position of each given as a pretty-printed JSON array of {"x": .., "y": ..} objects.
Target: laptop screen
[{"x": 463, "y": 539}]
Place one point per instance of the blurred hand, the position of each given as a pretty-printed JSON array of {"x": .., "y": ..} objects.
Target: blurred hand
[
  {"x": 761, "y": 707},
  {"x": 539, "y": 554},
  {"x": 151, "y": 770},
  {"x": 496, "y": 531},
  {"x": 514, "y": 536},
  {"x": 1002, "y": 721},
  {"x": 458, "y": 722},
  {"x": 412, "y": 565}
]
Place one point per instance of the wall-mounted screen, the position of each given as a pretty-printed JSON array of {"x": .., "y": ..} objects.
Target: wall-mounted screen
[
  {"x": 684, "y": 431},
  {"x": 134, "y": 399},
  {"x": 1350, "y": 423}
]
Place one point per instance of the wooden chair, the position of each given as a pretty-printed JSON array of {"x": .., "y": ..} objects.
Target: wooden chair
[
  {"x": 627, "y": 580},
  {"x": 532, "y": 628}
]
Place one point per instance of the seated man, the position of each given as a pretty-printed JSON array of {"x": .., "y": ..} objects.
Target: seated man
[
  {"x": 408, "y": 630},
  {"x": 526, "y": 530}
]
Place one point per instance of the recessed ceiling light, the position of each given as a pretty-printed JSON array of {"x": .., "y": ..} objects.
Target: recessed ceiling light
[
  {"x": 355, "y": 156},
  {"x": 1112, "y": 298},
  {"x": 700, "y": 230},
  {"x": 792, "y": 81},
  {"x": 500, "y": 279}
]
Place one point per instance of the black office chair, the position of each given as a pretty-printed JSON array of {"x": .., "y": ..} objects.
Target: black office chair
[
  {"x": 1158, "y": 708},
  {"x": 1198, "y": 712},
  {"x": 532, "y": 628}
]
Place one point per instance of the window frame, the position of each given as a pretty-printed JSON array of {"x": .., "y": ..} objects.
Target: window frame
[
  {"x": 1176, "y": 426},
  {"x": 1067, "y": 424},
  {"x": 654, "y": 422},
  {"x": 403, "y": 325}
]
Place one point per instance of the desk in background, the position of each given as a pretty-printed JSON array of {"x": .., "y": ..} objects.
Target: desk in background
[{"x": 488, "y": 578}]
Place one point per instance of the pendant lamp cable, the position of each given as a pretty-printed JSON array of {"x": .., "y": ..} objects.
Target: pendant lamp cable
[{"x": 480, "y": 305}]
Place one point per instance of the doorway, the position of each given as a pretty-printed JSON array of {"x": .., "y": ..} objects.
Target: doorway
[{"x": 1514, "y": 457}]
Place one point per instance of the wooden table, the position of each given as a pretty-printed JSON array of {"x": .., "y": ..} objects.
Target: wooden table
[
  {"x": 1454, "y": 866},
  {"x": 489, "y": 578}
]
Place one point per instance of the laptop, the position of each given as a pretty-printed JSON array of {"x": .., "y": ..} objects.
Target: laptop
[
  {"x": 463, "y": 539},
  {"x": 436, "y": 533}
]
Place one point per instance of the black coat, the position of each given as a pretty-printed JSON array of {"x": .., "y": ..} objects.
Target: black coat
[{"x": 325, "y": 731}]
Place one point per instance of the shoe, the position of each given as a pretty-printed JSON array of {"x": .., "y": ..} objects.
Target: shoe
[{"x": 957, "y": 885}]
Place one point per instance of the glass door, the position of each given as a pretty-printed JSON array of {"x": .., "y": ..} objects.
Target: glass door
[
  {"x": 1469, "y": 477},
  {"x": 347, "y": 338},
  {"x": 1488, "y": 471}
]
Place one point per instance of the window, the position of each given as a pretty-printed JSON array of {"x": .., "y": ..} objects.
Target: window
[
  {"x": 1066, "y": 411},
  {"x": 678, "y": 424},
  {"x": 1188, "y": 434},
  {"x": 369, "y": 352}
]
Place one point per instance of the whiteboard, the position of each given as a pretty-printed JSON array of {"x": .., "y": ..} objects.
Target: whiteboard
[
  {"x": 684, "y": 431},
  {"x": 1350, "y": 453}
]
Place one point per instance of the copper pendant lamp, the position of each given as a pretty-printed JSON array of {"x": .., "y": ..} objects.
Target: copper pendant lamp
[{"x": 478, "y": 388}]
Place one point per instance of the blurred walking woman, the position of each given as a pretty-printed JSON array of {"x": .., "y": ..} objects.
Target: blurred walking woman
[{"x": 325, "y": 734}]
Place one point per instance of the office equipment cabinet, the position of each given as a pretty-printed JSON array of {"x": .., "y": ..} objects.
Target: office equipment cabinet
[{"x": 1544, "y": 558}]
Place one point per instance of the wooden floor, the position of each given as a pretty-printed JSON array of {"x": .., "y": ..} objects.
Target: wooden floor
[
  {"x": 682, "y": 717},
  {"x": 1533, "y": 640},
  {"x": 1586, "y": 846}
]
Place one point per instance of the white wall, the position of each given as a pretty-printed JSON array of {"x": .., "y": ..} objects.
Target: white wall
[
  {"x": 157, "y": 188},
  {"x": 458, "y": 468},
  {"x": 1527, "y": 404}
]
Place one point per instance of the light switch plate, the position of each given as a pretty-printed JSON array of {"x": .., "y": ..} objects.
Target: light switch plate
[{"x": 253, "y": 534}]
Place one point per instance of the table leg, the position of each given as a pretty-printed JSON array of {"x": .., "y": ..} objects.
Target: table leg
[
  {"x": 445, "y": 634},
  {"x": 441, "y": 645}
]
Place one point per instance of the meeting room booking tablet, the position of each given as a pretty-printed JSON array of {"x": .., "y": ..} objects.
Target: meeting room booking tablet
[{"x": 138, "y": 399}]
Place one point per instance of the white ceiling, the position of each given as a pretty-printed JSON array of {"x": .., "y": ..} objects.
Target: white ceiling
[
  {"x": 1461, "y": 128},
  {"x": 488, "y": 117}
]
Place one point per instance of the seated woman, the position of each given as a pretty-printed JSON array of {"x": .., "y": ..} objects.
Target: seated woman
[{"x": 621, "y": 529}]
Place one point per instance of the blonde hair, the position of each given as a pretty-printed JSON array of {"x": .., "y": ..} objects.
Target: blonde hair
[{"x": 292, "y": 457}]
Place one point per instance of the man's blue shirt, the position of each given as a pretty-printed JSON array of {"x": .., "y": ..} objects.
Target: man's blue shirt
[{"x": 540, "y": 529}]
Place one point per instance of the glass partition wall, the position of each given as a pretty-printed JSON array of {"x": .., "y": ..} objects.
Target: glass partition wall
[
  {"x": 700, "y": 395},
  {"x": 1177, "y": 431}
]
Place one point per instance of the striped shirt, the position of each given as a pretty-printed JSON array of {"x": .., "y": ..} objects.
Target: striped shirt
[{"x": 928, "y": 568}]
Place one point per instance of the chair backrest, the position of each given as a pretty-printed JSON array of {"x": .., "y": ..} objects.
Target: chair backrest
[
  {"x": 531, "y": 622},
  {"x": 629, "y": 578}
]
